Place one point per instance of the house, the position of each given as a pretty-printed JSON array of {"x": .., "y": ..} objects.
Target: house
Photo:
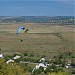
[
  {"x": 42, "y": 60},
  {"x": 1, "y": 56},
  {"x": 68, "y": 63},
  {"x": 68, "y": 66},
  {"x": 16, "y": 57},
  {"x": 40, "y": 65},
  {"x": 10, "y": 61}
]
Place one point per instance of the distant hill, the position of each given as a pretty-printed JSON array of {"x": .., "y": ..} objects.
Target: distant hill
[{"x": 68, "y": 20}]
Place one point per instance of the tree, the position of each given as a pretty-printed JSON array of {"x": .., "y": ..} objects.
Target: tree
[
  {"x": 73, "y": 72},
  {"x": 59, "y": 73},
  {"x": 25, "y": 54},
  {"x": 51, "y": 68},
  {"x": 15, "y": 70},
  {"x": 9, "y": 69},
  {"x": 3, "y": 67}
]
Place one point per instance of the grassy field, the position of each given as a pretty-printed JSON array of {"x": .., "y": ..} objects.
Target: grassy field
[{"x": 41, "y": 39}]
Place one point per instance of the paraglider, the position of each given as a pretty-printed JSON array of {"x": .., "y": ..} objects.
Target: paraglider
[
  {"x": 21, "y": 40},
  {"x": 26, "y": 30},
  {"x": 21, "y": 28}
]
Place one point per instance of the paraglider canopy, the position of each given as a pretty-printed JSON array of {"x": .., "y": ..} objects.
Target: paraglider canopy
[{"x": 20, "y": 29}]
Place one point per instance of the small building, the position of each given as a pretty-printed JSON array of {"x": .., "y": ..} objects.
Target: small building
[
  {"x": 68, "y": 63},
  {"x": 39, "y": 65},
  {"x": 10, "y": 61},
  {"x": 1, "y": 56},
  {"x": 68, "y": 66},
  {"x": 16, "y": 57},
  {"x": 42, "y": 60}
]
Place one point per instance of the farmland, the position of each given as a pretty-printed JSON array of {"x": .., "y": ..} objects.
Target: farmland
[{"x": 43, "y": 40}]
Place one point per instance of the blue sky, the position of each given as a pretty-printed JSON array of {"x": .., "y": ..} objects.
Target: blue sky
[{"x": 36, "y": 8}]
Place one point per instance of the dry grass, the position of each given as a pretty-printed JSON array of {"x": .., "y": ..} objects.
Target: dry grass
[{"x": 40, "y": 39}]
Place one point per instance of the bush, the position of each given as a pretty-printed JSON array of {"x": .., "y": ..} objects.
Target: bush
[
  {"x": 30, "y": 69},
  {"x": 73, "y": 72},
  {"x": 59, "y": 73},
  {"x": 51, "y": 68},
  {"x": 25, "y": 54},
  {"x": 73, "y": 65},
  {"x": 31, "y": 55}
]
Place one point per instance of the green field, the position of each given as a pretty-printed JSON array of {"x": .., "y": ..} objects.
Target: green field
[{"x": 41, "y": 39}]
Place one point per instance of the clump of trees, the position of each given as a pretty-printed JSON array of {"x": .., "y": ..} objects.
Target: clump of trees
[
  {"x": 9, "y": 69},
  {"x": 73, "y": 72},
  {"x": 58, "y": 73},
  {"x": 53, "y": 68}
]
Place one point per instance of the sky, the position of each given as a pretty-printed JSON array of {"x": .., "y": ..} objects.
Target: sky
[{"x": 37, "y": 7}]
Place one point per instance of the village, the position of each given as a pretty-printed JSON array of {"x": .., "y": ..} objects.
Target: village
[{"x": 57, "y": 63}]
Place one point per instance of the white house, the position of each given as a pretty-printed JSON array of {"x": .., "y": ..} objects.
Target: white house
[
  {"x": 40, "y": 65},
  {"x": 1, "y": 55},
  {"x": 42, "y": 59},
  {"x": 9, "y": 61},
  {"x": 68, "y": 66},
  {"x": 16, "y": 57}
]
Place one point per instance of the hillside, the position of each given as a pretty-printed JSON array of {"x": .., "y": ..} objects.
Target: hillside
[{"x": 41, "y": 40}]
